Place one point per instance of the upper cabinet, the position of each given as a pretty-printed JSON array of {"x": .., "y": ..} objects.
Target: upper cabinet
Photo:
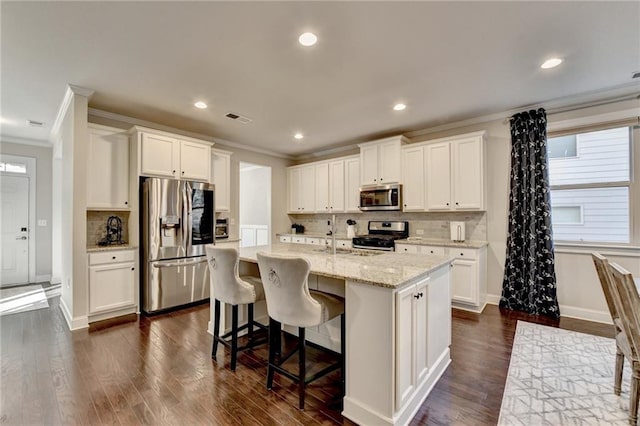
[
  {"x": 455, "y": 173},
  {"x": 413, "y": 183},
  {"x": 352, "y": 184},
  {"x": 221, "y": 178},
  {"x": 108, "y": 165},
  {"x": 380, "y": 161},
  {"x": 301, "y": 183},
  {"x": 167, "y": 155}
]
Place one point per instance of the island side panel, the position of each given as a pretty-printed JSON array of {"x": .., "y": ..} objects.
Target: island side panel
[
  {"x": 439, "y": 314},
  {"x": 370, "y": 357}
]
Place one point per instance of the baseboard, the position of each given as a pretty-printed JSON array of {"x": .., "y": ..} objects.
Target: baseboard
[
  {"x": 43, "y": 278},
  {"x": 55, "y": 280},
  {"x": 569, "y": 311},
  {"x": 72, "y": 323},
  {"x": 53, "y": 291}
]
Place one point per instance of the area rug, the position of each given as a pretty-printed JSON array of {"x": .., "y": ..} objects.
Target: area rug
[
  {"x": 561, "y": 377},
  {"x": 22, "y": 299}
]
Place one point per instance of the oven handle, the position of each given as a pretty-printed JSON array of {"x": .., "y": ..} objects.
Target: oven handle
[{"x": 179, "y": 264}]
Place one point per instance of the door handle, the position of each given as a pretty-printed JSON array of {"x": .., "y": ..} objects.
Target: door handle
[{"x": 21, "y": 238}]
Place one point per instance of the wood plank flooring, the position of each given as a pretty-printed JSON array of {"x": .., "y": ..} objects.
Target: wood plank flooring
[{"x": 158, "y": 370}]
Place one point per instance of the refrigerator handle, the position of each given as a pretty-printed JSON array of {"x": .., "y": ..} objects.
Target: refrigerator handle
[
  {"x": 186, "y": 214},
  {"x": 178, "y": 264}
]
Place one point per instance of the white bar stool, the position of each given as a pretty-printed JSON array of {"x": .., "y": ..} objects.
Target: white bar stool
[
  {"x": 228, "y": 287},
  {"x": 289, "y": 301}
]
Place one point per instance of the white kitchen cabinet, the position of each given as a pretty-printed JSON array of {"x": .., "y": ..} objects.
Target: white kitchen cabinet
[
  {"x": 164, "y": 154},
  {"x": 336, "y": 186},
  {"x": 352, "y": 184},
  {"x": 455, "y": 173},
  {"x": 380, "y": 161},
  {"x": 468, "y": 272},
  {"x": 221, "y": 178},
  {"x": 301, "y": 183},
  {"x": 322, "y": 187},
  {"x": 113, "y": 284},
  {"x": 285, "y": 239},
  {"x": 412, "y": 339},
  {"x": 108, "y": 166},
  {"x": 413, "y": 179}
]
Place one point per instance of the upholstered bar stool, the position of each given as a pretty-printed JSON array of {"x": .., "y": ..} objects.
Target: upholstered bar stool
[
  {"x": 289, "y": 301},
  {"x": 228, "y": 287}
]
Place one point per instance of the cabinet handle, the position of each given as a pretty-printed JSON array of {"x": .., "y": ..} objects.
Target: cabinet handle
[
  {"x": 174, "y": 172},
  {"x": 326, "y": 207},
  {"x": 114, "y": 258},
  {"x": 133, "y": 269},
  {"x": 447, "y": 203},
  {"x": 183, "y": 172},
  {"x": 457, "y": 204},
  {"x": 381, "y": 179},
  {"x": 375, "y": 180},
  {"x": 126, "y": 202},
  {"x": 417, "y": 296},
  {"x": 461, "y": 254},
  {"x": 431, "y": 251}
]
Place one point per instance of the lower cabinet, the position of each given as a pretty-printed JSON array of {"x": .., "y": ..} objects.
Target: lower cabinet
[
  {"x": 411, "y": 344},
  {"x": 468, "y": 273},
  {"x": 113, "y": 284}
]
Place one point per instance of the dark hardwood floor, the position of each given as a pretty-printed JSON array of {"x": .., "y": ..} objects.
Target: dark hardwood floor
[{"x": 158, "y": 370}]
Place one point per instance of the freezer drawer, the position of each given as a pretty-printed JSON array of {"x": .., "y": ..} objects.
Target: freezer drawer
[{"x": 171, "y": 283}]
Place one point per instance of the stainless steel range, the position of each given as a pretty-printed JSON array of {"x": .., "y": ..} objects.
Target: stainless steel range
[{"x": 382, "y": 235}]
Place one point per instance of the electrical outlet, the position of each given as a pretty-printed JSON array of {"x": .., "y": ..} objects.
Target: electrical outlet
[
  {"x": 42, "y": 222},
  {"x": 232, "y": 221},
  {"x": 419, "y": 231}
]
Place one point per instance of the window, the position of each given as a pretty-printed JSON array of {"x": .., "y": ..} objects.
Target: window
[{"x": 591, "y": 193}]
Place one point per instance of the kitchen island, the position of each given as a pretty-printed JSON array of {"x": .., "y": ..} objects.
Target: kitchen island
[{"x": 398, "y": 324}]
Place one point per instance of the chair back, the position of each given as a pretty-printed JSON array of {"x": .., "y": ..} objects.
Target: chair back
[
  {"x": 286, "y": 290},
  {"x": 226, "y": 284},
  {"x": 610, "y": 293},
  {"x": 629, "y": 304}
]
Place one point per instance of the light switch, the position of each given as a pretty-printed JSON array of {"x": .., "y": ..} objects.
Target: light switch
[
  {"x": 232, "y": 221},
  {"x": 42, "y": 222},
  {"x": 419, "y": 231}
]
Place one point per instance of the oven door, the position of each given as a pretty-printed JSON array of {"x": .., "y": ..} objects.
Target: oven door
[{"x": 384, "y": 197}]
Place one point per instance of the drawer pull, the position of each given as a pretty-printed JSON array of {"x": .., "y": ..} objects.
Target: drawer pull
[{"x": 113, "y": 257}]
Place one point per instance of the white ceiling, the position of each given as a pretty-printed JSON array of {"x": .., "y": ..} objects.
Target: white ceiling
[{"x": 447, "y": 61}]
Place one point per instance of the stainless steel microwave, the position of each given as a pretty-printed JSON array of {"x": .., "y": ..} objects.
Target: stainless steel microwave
[{"x": 381, "y": 197}]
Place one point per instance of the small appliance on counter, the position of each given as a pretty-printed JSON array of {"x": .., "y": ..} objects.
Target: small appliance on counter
[
  {"x": 457, "y": 231},
  {"x": 351, "y": 228},
  {"x": 222, "y": 228},
  {"x": 382, "y": 235},
  {"x": 297, "y": 229}
]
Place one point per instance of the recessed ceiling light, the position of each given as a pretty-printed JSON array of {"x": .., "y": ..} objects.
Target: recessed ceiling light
[
  {"x": 200, "y": 105},
  {"x": 298, "y": 136},
  {"x": 307, "y": 39},
  {"x": 550, "y": 63},
  {"x": 399, "y": 107}
]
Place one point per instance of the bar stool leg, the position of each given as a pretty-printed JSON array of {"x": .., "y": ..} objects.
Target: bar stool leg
[
  {"x": 302, "y": 372},
  {"x": 216, "y": 327},
  {"x": 274, "y": 330},
  {"x": 250, "y": 322},
  {"x": 234, "y": 336}
]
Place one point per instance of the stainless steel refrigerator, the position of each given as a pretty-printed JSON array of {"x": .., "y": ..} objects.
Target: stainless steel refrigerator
[{"x": 177, "y": 220}]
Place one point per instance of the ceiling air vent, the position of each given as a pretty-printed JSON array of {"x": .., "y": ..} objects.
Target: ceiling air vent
[
  {"x": 34, "y": 123},
  {"x": 239, "y": 118}
]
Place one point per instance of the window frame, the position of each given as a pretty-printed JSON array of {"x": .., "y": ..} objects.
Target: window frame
[
  {"x": 633, "y": 185},
  {"x": 549, "y": 157}
]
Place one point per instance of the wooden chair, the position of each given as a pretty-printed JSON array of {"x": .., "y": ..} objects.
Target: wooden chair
[
  {"x": 228, "y": 287},
  {"x": 612, "y": 298},
  {"x": 630, "y": 320},
  {"x": 289, "y": 301}
]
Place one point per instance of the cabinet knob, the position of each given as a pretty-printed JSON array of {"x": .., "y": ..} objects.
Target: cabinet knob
[
  {"x": 114, "y": 258},
  {"x": 326, "y": 207},
  {"x": 461, "y": 254},
  {"x": 431, "y": 251},
  {"x": 417, "y": 296},
  {"x": 447, "y": 203},
  {"x": 174, "y": 172},
  {"x": 457, "y": 204},
  {"x": 133, "y": 269},
  {"x": 126, "y": 202},
  {"x": 375, "y": 180},
  {"x": 381, "y": 179},
  {"x": 183, "y": 172}
]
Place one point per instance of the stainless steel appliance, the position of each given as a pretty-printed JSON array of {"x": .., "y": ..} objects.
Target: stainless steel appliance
[
  {"x": 222, "y": 228},
  {"x": 381, "y": 197},
  {"x": 382, "y": 235},
  {"x": 177, "y": 220}
]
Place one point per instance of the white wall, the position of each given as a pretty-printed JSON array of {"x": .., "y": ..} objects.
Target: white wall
[
  {"x": 254, "y": 192},
  {"x": 42, "y": 234}
]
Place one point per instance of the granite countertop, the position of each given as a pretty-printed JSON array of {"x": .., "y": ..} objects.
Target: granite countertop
[
  {"x": 93, "y": 249},
  {"x": 313, "y": 235},
  {"x": 443, "y": 243},
  {"x": 384, "y": 269},
  {"x": 227, "y": 240}
]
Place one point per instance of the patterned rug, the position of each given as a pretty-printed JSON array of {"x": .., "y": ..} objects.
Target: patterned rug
[
  {"x": 561, "y": 377},
  {"x": 22, "y": 299}
]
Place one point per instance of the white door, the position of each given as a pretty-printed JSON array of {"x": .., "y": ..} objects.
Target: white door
[
  {"x": 336, "y": 186},
  {"x": 369, "y": 165},
  {"x": 322, "y": 187},
  {"x": 468, "y": 183},
  {"x": 464, "y": 283},
  {"x": 438, "y": 176},
  {"x": 352, "y": 184},
  {"x": 307, "y": 189},
  {"x": 14, "y": 225},
  {"x": 160, "y": 155},
  {"x": 413, "y": 179},
  {"x": 195, "y": 161},
  {"x": 389, "y": 162}
]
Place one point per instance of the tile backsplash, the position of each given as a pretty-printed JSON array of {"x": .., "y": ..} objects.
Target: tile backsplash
[
  {"x": 97, "y": 222},
  {"x": 434, "y": 225}
]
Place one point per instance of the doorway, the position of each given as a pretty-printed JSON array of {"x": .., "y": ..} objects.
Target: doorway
[
  {"x": 17, "y": 217},
  {"x": 255, "y": 205}
]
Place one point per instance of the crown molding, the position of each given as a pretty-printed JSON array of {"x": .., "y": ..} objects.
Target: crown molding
[
  {"x": 72, "y": 90},
  {"x": 218, "y": 141},
  {"x": 25, "y": 141},
  {"x": 554, "y": 106}
]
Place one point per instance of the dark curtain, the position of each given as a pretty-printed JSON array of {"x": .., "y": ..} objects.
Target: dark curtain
[{"x": 529, "y": 283}]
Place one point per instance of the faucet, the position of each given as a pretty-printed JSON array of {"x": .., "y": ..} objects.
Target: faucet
[{"x": 332, "y": 233}]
